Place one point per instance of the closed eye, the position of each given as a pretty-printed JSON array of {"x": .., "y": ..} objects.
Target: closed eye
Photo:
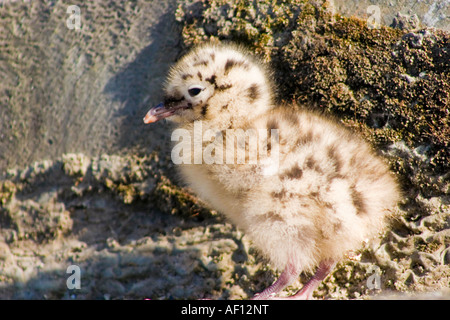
[{"x": 195, "y": 90}]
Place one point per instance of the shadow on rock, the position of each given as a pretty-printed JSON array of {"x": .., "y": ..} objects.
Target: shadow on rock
[
  {"x": 138, "y": 87},
  {"x": 102, "y": 218}
]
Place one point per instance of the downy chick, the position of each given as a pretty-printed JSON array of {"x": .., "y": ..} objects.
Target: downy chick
[{"x": 303, "y": 188}]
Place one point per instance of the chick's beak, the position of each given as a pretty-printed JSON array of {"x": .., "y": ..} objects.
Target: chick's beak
[{"x": 157, "y": 113}]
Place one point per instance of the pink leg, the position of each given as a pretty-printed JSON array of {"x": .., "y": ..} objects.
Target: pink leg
[
  {"x": 289, "y": 274},
  {"x": 306, "y": 292}
]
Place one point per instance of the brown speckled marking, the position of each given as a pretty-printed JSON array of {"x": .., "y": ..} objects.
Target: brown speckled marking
[
  {"x": 212, "y": 79},
  {"x": 272, "y": 124},
  {"x": 200, "y": 76},
  {"x": 312, "y": 164},
  {"x": 253, "y": 92},
  {"x": 305, "y": 138},
  {"x": 313, "y": 194},
  {"x": 272, "y": 217},
  {"x": 201, "y": 63},
  {"x": 337, "y": 226},
  {"x": 291, "y": 117},
  {"x": 269, "y": 146},
  {"x": 333, "y": 154},
  {"x": 279, "y": 195},
  {"x": 231, "y": 63},
  {"x": 335, "y": 175},
  {"x": 204, "y": 109},
  {"x": 352, "y": 161},
  {"x": 223, "y": 87},
  {"x": 293, "y": 173},
  {"x": 186, "y": 76},
  {"x": 358, "y": 201}
]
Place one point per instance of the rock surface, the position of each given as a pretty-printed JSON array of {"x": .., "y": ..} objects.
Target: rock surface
[
  {"x": 107, "y": 199},
  {"x": 410, "y": 13}
]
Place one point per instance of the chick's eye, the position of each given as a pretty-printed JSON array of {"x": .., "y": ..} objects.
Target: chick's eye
[{"x": 194, "y": 91}]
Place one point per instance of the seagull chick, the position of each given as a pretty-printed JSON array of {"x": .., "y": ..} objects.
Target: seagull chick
[{"x": 304, "y": 188}]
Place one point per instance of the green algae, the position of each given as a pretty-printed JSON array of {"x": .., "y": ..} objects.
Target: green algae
[
  {"x": 7, "y": 191},
  {"x": 171, "y": 198}
]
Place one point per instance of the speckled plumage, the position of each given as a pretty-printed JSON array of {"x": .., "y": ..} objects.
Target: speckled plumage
[{"x": 326, "y": 192}]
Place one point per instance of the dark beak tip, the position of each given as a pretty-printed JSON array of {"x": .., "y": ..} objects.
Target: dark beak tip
[{"x": 153, "y": 114}]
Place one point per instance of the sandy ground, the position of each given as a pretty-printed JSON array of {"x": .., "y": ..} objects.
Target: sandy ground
[{"x": 85, "y": 183}]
